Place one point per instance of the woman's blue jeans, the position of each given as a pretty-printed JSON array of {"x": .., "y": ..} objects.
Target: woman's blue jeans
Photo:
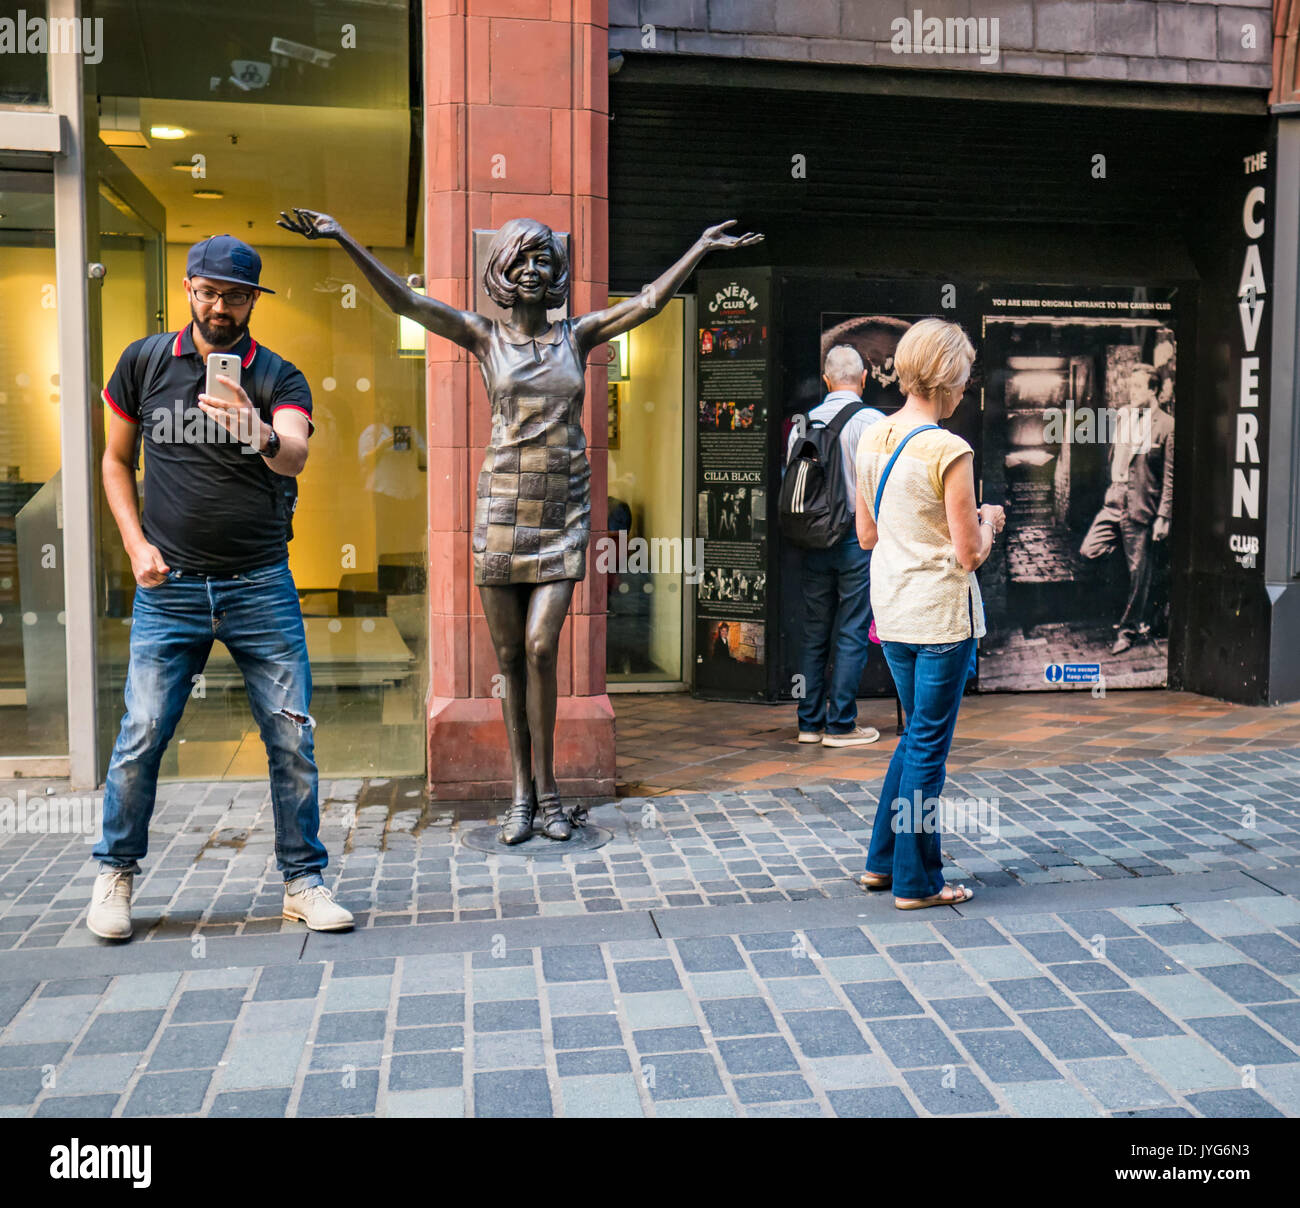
[
  {"x": 905, "y": 838},
  {"x": 258, "y": 617}
]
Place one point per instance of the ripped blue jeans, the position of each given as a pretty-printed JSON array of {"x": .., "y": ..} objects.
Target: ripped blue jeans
[{"x": 258, "y": 617}]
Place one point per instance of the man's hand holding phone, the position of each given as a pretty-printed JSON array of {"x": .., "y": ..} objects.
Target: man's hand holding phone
[{"x": 236, "y": 414}]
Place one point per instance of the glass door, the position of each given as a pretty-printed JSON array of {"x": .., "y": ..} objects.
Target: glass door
[
  {"x": 47, "y": 441},
  {"x": 649, "y": 552},
  {"x": 33, "y": 618},
  {"x": 47, "y": 634},
  {"x": 132, "y": 250}
]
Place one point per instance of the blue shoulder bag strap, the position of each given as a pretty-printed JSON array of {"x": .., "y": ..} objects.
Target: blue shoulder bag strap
[{"x": 889, "y": 465}]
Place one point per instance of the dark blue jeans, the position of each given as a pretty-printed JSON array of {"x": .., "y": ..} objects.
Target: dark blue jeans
[
  {"x": 905, "y": 838},
  {"x": 836, "y": 585},
  {"x": 258, "y": 617}
]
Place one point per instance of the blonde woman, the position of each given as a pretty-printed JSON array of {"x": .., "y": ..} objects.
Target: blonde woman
[{"x": 916, "y": 511}]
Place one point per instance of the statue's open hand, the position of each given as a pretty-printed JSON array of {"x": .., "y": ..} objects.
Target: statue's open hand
[
  {"x": 309, "y": 224},
  {"x": 713, "y": 239}
]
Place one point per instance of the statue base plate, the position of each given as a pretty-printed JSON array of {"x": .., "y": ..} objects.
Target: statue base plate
[{"x": 537, "y": 845}]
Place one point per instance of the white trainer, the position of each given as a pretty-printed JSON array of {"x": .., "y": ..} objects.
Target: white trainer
[
  {"x": 315, "y": 906},
  {"x": 810, "y": 735},
  {"x": 110, "y": 905},
  {"x": 859, "y": 736}
]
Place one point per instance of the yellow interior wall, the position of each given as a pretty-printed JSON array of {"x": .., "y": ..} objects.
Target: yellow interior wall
[
  {"x": 29, "y": 350},
  {"x": 646, "y": 469},
  {"x": 123, "y": 302},
  {"x": 349, "y": 495}
]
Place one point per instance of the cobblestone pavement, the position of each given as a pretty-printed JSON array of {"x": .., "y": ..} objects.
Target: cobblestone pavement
[
  {"x": 1134, "y": 946},
  {"x": 212, "y": 870}
]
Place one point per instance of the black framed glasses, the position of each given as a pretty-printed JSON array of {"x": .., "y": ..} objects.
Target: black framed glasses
[{"x": 231, "y": 297}]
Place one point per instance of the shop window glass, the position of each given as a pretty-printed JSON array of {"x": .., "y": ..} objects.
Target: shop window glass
[
  {"x": 24, "y": 77},
  {"x": 33, "y": 661},
  {"x": 227, "y": 116}
]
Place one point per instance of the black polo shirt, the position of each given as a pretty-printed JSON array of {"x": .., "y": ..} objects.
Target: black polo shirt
[{"x": 211, "y": 505}]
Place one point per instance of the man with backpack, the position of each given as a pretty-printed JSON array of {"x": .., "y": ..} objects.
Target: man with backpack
[
  {"x": 818, "y": 494},
  {"x": 210, "y": 560}
]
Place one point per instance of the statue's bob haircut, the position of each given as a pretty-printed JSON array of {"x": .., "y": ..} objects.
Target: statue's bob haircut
[{"x": 525, "y": 235}]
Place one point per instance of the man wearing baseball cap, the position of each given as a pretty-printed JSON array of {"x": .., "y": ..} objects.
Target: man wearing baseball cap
[{"x": 209, "y": 552}]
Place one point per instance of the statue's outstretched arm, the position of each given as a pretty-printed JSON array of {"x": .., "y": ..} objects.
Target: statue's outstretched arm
[
  {"x": 601, "y": 325},
  {"x": 464, "y": 327}
]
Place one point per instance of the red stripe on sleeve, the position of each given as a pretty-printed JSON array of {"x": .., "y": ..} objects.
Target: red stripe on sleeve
[
  {"x": 108, "y": 398},
  {"x": 311, "y": 423}
]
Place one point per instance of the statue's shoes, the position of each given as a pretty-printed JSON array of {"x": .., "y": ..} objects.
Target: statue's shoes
[
  {"x": 555, "y": 822},
  {"x": 519, "y": 821}
]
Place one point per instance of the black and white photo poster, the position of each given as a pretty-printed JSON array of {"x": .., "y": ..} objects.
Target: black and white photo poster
[{"x": 1080, "y": 400}]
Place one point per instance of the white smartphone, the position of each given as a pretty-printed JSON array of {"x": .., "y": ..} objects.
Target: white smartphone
[{"x": 227, "y": 365}]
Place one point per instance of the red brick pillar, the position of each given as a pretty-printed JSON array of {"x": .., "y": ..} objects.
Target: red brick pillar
[{"x": 516, "y": 104}]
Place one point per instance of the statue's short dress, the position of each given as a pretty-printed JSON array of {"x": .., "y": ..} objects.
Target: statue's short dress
[{"x": 532, "y": 518}]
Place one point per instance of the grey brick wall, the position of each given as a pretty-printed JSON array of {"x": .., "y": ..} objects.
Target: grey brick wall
[{"x": 1153, "y": 41}]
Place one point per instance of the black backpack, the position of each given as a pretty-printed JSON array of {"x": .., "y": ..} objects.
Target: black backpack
[
  {"x": 153, "y": 356},
  {"x": 816, "y": 512}
]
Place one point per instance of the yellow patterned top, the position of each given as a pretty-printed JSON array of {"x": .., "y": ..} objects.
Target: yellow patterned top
[{"x": 919, "y": 591}]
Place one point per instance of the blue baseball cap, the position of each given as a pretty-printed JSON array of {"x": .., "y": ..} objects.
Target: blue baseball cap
[{"x": 225, "y": 258}]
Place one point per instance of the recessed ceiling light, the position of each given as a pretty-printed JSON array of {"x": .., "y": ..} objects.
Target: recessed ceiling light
[
  {"x": 167, "y": 132},
  {"x": 183, "y": 165},
  {"x": 209, "y": 194}
]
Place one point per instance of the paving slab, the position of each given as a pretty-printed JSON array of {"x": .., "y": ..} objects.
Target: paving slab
[{"x": 681, "y": 986}]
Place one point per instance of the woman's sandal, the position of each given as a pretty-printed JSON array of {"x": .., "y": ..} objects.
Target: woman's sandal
[
  {"x": 949, "y": 895},
  {"x": 875, "y": 880}
]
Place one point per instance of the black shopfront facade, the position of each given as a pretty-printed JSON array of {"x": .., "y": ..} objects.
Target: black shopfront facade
[{"x": 1073, "y": 230}]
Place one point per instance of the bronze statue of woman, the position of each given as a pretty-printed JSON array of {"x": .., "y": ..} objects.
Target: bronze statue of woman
[{"x": 532, "y": 520}]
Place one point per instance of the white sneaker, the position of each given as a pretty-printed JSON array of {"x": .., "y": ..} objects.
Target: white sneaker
[
  {"x": 810, "y": 735},
  {"x": 110, "y": 905},
  {"x": 315, "y": 906},
  {"x": 859, "y": 736}
]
